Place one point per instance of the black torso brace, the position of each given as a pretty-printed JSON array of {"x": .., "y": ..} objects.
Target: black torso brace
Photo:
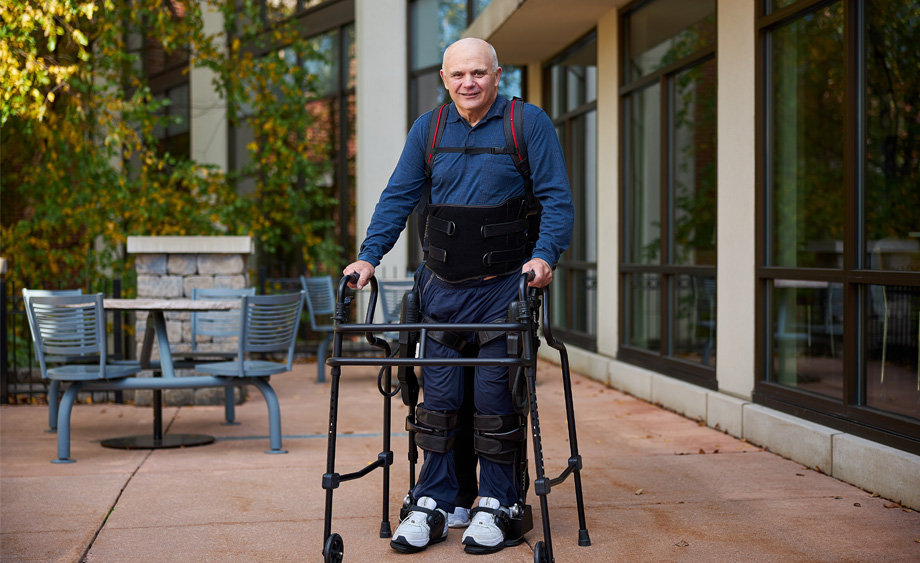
[{"x": 471, "y": 241}]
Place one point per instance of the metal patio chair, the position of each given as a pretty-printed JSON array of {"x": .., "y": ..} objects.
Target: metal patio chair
[
  {"x": 217, "y": 325},
  {"x": 69, "y": 330},
  {"x": 319, "y": 294},
  {"x": 268, "y": 324},
  {"x": 391, "y": 297},
  {"x": 54, "y": 385}
]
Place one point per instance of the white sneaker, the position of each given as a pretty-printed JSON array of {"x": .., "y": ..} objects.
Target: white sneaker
[
  {"x": 424, "y": 525},
  {"x": 459, "y": 518},
  {"x": 486, "y": 533}
]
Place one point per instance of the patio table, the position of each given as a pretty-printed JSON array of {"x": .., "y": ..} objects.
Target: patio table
[{"x": 157, "y": 318}]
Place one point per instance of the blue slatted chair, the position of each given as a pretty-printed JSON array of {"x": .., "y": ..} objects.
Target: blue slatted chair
[
  {"x": 319, "y": 294},
  {"x": 268, "y": 324},
  {"x": 217, "y": 325},
  {"x": 69, "y": 330},
  {"x": 391, "y": 297},
  {"x": 54, "y": 385}
]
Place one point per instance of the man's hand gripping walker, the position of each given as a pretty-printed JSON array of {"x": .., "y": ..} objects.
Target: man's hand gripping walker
[{"x": 521, "y": 327}]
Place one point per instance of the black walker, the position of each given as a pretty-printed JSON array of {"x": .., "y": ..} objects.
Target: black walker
[{"x": 523, "y": 340}]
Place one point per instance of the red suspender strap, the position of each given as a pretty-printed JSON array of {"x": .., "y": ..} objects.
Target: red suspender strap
[
  {"x": 434, "y": 138},
  {"x": 513, "y": 134}
]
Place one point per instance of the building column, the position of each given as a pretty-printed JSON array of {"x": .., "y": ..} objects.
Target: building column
[
  {"x": 208, "y": 110},
  {"x": 736, "y": 205},
  {"x": 608, "y": 231},
  {"x": 382, "y": 102}
]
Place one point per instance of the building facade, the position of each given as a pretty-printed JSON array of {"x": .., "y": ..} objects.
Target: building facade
[{"x": 747, "y": 240}]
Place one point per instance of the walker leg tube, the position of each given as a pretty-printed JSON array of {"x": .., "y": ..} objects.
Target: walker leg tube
[
  {"x": 330, "y": 479},
  {"x": 385, "y": 530},
  {"x": 157, "y": 414},
  {"x": 575, "y": 458},
  {"x": 413, "y": 450},
  {"x": 541, "y": 483},
  {"x": 583, "y": 538}
]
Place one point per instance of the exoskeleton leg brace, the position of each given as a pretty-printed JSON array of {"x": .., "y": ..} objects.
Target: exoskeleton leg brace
[
  {"x": 433, "y": 429},
  {"x": 433, "y": 432},
  {"x": 499, "y": 437}
]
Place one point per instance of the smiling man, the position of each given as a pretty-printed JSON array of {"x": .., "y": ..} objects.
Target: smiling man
[
  {"x": 473, "y": 188},
  {"x": 471, "y": 74}
]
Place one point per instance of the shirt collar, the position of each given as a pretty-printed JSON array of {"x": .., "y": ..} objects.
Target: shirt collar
[{"x": 497, "y": 109}]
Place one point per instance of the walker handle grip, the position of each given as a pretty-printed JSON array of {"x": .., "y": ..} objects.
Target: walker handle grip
[{"x": 525, "y": 278}]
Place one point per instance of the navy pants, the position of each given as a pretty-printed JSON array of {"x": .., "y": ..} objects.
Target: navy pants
[{"x": 442, "y": 386}]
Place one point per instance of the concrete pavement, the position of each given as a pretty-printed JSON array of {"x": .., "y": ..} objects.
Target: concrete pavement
[{"x": 658, "y": 487}]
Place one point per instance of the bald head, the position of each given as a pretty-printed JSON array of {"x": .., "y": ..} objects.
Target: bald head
[
  {"x": 471, "y": 73},
  {"x": 471, "y": 44}
]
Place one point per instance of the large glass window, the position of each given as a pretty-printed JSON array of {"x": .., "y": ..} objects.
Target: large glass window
[
  {"x": 172, "y": 130},
  {"x": 668, "y": 221},
  {"x": 840, "y": 253},
  {"x": 167, "y": 75},
  {"x": 571, "y": 100}
]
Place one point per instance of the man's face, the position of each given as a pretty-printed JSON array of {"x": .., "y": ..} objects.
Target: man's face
[{"x": 468, "y": 76}]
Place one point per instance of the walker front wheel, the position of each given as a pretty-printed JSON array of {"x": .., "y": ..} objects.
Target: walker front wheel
[
  {"x": 539, "y": 553},
  {"x": 334, "y": 549}
]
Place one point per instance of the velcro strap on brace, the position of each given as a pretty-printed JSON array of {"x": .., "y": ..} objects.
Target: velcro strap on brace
[
  {"x": 485, "y": 336},
  {"x": 504, "y": 229},
  {"x": 435, "y": 517},
  {"x": 436, "y": 419},
  {"x": 515, "y": 346},
  {"x": 499, "y": 438},
  {"x": 438, "y": 254},
  {"x": 433, "y": 429},
  {"x": 502, "y": 517},
  {"x": 450, "y": 339},
  {"x": 438, "y": 224},
  {"x": 497, "y": 257}
]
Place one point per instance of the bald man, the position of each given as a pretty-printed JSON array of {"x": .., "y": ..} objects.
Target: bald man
[{"x": 458, "y": 284}]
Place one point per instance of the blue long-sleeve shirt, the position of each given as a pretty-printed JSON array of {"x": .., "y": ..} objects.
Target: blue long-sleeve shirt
[{"x": 477, "y": 179}]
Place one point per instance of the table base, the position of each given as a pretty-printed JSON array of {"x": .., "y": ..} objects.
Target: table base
[{"x": 148, "y": 442}]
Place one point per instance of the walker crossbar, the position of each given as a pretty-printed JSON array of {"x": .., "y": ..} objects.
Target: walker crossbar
[{"x": 526, "y": 326}]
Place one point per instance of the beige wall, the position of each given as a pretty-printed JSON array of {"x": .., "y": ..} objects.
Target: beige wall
[
  {"x": 736, "y": 212},
  {"x": 608, "y": 127},
  {"x": 381, "y": 107}
]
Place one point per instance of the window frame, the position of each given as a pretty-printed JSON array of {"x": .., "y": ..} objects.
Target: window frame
[
  {"x": 850, "y": 413},
  {"x": 660, "y": 360},
  {"x": 566, "y": 121}
]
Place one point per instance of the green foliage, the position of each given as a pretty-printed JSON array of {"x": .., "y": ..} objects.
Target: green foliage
[
  {"x": 82, "y": 168},
  {"x": 274, "y": 95}
]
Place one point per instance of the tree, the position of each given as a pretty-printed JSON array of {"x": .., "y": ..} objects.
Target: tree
[{"x": 82, "y": 165}]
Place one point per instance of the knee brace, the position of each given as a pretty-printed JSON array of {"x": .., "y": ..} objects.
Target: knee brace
[
  {"x": 433, "y": 429},
  {"x": 499, "y": 437}
]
